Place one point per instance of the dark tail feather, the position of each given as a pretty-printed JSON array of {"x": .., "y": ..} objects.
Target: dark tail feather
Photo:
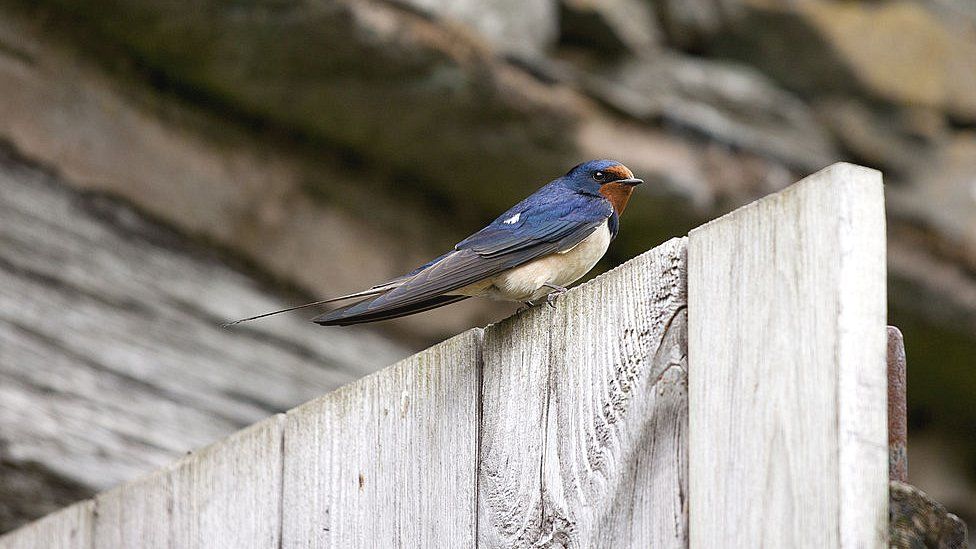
[
  {"x": 358, "y": 313},
  {"x": 372, "y": 291}
]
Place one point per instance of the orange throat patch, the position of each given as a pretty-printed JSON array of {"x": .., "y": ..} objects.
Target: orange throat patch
[{"x": 618, "y": 194}]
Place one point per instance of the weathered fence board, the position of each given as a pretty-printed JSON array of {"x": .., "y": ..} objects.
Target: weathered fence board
[
  {"x": 787, "y": 368},
  {"x": 136, "y": 513},
  {"x": 69, "y": 528},
  {"x": 390, "y": 460},
  {"x": 584, "y": 415},
  {"x": 227, "y": 495}
]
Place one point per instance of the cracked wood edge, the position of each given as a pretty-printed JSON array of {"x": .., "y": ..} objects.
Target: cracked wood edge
[
  {"x": 787, "y": 368},
  {"x": 390, "y": 460},
  {"x": 584, "y": 415}
]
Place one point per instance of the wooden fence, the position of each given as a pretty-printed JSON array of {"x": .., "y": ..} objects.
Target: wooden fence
[{"x": 722, "y": 390}]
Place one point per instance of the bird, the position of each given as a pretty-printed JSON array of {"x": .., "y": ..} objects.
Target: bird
[{"x": 528, "y": 254}]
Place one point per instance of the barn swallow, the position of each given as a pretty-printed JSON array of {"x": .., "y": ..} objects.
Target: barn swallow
[{"x": 533, "y": 251}]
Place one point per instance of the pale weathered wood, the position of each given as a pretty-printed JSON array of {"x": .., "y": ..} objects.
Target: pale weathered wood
[
  {"x": 136, "y": 514},
  {"x": 69, "y": 528},
  {"x": 390, "y": 460},
  {"x": 112, "y": 359},
  {"x": 787, "y": 368},
  {"x": 584, "y": 415},
  {"x": 227, "y": 495}
]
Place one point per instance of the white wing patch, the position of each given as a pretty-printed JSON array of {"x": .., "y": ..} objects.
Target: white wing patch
[{"x": 513, "y": 220}]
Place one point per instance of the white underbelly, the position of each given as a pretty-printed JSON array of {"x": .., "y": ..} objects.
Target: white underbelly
[{"x": 527, "y": 282}]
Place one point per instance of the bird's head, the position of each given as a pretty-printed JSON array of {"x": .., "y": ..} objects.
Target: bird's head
[{"x": 609, "y": 178}]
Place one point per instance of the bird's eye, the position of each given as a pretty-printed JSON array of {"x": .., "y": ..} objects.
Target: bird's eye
[{"x": 599, "y": 176}]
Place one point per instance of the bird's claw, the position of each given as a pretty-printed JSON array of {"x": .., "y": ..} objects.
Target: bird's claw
[
  {"x": 554, "y": 294},
  {"x": 550, "y": 299}
]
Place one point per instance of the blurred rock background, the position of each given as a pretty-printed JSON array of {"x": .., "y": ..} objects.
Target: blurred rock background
[{"x": 265, "y": 151}]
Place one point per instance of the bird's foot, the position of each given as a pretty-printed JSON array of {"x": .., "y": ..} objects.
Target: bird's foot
[{"x": 554, "y": 294}]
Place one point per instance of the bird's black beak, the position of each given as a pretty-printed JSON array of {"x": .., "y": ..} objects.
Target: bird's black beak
[{"x": 632, "y": 181}]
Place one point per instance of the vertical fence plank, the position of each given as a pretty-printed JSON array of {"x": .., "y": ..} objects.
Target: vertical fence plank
[
  {"x": 390, "y": 460},
  {"x": 227, "y": 495},
  {"x": 584, "y": 415},
  {"x": 69, "y": 528},
  {"x": 787, "y": 368},
  {"x": 136, "y": 514}
]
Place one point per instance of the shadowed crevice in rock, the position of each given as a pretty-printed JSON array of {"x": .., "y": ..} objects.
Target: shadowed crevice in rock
[{"x": 29, "y": 490}]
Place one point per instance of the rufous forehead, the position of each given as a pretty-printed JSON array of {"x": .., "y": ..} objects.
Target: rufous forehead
[{"x": 619, "y": 171}]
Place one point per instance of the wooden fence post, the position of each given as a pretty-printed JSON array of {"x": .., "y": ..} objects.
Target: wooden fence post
[
  {"x": 225, "y": 495},
  {"x": 390, "y": 460},
  {"x": 787, "y": 382},
  {"x": 584, "y": 415}
]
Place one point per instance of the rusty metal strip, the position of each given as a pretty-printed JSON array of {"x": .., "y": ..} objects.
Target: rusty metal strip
[{"x": 897, "y": 407}]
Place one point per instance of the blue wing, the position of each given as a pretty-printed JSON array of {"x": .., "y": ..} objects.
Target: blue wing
[
  {"x": 549, "y": 214},
  {"x": 551, "y": 220}
]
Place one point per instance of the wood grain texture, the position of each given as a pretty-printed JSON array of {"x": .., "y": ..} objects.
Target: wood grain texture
[
  {"x": 390, "y": 460},
  {"x": 227, "y": 495},
  {"x": 137, "y": 513},
  {"x": 69, "y": 528},
  {"x": 584, "y": 415},
  {"x": 112, "y": 360},
  {"x": 787, "y": 368}
]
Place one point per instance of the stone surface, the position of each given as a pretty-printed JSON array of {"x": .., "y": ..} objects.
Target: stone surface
[
  {"x": 898, "y": 52},
  {"x": 688, "y": 24},
  {"x": 731, "y": 104},
  {"x": 900, "y": 139},
  {"x": 961, "y": 13},
  {"x": 397, "y": 90},
  {"x": 518, "y": 27},
  {"x": 612, "y": 26},
  {"x": 947, "y": 198},
  {"x": 918, "y": 521},
  {"x": 902, "y": 53}
]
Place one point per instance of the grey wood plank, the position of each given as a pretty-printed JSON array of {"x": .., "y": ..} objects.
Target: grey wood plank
[
  {"x": 227, "y": 495},
  {"x": 69, "y": 528},
  {"x": 136, "y": 514},
  {"x": 390, "y": 460},
  {"x": 787, "y": 368},
  {"x": 584, "y": 415}
]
